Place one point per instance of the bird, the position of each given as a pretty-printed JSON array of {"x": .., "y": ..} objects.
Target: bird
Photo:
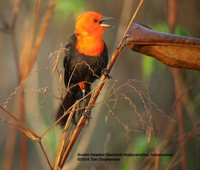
[{"x": 85, "y": 60}]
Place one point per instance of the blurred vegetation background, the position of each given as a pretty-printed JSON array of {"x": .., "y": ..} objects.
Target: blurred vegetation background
[{"x": 136, "y": 109}]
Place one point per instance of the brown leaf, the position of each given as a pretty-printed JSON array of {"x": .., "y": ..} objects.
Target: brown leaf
[{"x": 175, "y": 51}]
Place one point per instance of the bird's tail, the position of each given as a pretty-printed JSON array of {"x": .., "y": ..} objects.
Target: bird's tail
[{"x": 74, "y": 94}]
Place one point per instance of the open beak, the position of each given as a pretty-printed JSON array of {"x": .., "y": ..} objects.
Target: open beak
[{"x": 105, "y": 19}]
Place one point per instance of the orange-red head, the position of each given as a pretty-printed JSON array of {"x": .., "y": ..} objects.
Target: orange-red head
[
  {"x": 90, "y": 24},
  {"x": 89, "y": 29}
]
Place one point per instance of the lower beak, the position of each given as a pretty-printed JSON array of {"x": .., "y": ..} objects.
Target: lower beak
[{"x": 106, "y": 25}]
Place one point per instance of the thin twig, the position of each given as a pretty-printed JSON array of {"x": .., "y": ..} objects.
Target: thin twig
[{"x": 49, "y": 163}]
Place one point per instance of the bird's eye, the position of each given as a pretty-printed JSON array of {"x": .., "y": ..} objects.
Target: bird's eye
[{"x": 95, "y": 20}]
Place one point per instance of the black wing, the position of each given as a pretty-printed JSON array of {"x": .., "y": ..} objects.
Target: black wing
[{"x": 69, "y": 53}]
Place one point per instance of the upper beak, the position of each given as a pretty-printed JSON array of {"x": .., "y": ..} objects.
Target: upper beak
[{"x": 104, "y": 19}]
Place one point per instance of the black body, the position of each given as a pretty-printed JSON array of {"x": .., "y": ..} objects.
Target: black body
[{"x": 79, "y": 68}]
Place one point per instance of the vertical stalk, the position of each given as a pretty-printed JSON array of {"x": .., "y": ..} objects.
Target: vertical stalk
[
  {"x": 11, "y": 135},
  {"x": 23, "y": 136},
  {"x": 172, "y": 12},
  {"x": 179, "y": 114}
]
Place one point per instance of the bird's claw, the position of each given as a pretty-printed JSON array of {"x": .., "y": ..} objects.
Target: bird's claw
[
  {"x": 106, "y": 73},
  {"x": 88, "y": 116}
]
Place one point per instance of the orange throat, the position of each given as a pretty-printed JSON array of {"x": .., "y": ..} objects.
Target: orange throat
[{"x": 91, "y": 46}]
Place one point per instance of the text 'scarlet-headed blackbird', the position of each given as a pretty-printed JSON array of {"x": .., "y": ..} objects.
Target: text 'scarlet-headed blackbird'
[{"x": 86, "y": 58}]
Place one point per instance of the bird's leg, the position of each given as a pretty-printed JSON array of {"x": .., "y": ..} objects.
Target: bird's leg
[
  {"x": 84, "y": 99},
  {"x": 105, "y": 72},
  {"x": 83, "y": 91},
  {"x": 88, "y": 116},
  {"x": 82, "y": 86}
]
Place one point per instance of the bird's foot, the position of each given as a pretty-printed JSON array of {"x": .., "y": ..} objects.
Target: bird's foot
[
  {"x": 105, "y": 72},
  {"x": 87, "y": 115}
]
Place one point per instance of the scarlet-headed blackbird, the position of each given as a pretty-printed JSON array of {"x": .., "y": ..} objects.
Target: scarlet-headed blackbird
[{"x": 85, "y": 58}]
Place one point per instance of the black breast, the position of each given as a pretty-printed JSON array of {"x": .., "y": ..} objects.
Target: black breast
[{"x": 80, "y": 67}]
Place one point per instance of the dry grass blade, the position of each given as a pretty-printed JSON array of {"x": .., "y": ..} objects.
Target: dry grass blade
[
  {"x": 10, "y": 114},
  {"x": 62, "y": 144},
  {"x": 21, "y": 126},
  {"x": 92, "y": 102},
  {"x": 23, "y": 129}
]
